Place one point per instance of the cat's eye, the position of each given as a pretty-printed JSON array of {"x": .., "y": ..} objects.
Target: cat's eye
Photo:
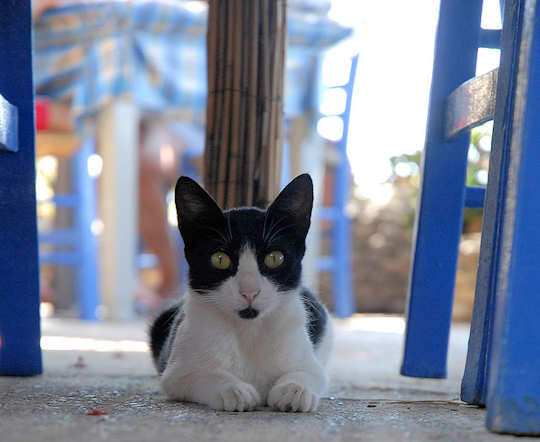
[
  {"x": 274, "y": 259},
  {"x": 220, "y": 260}
]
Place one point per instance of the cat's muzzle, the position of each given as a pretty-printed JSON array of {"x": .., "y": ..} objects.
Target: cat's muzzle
[{"x": 248, "y": 313}]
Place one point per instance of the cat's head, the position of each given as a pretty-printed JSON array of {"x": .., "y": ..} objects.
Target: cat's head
[{"x": 244, "y": 260}]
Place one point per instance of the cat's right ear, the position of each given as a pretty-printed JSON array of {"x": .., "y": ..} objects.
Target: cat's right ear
[{"x": 195, "y": 208}]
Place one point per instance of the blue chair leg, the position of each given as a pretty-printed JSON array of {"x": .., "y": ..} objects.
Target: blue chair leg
[
  {"x": 20, "y": 352},
  {"x": 344, "y": 302},
  {"x": 440, "y": 207},
  {"x": 513, "y": 400},
  {"x": 87, "y": 274},
  {"x": 344, "y": 305},
  {"x": 475, "y": 378},
  {"x": 286, "y": 156}
]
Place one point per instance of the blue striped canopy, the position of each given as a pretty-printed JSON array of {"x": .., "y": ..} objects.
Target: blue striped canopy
[{"x": 155, "y": 53}]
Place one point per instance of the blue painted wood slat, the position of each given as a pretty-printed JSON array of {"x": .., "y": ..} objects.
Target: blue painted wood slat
[
  {"x": 20, "y": 352},
  {"x": 474, "y": 383},
  {"x": 513, "y": 401},
  {"x": 440, "y": 208}
]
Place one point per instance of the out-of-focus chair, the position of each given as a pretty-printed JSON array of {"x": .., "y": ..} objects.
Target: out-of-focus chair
[
  {"x": 338, "y": 263},
  {"x": 75, "y": 246}
]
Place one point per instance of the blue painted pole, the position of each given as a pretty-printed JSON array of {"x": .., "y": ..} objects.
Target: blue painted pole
[
  {"x": 474, "y": 383},
  {"x": 87, "y": 274},
  {"x": 343, "y": 290},
  {"x": 441, "y": 200},
  {"x": 344, "y": 305},
  {"x": 20, "y": 352},
  {"x": 513, "y": 401}
]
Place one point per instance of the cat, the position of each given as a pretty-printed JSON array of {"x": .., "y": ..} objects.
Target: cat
[{"x": 247, "y": 334}]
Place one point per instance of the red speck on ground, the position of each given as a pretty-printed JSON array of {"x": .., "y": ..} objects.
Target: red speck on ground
[{"x": 97, "y": 413}]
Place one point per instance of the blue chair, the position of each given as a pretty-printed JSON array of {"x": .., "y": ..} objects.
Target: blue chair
[
  {"x": 20, "y": 352},
  {"x": 81, "y": 243},
  {"x": 503, "y": 360},
  {"x": 339, "y": 262}
]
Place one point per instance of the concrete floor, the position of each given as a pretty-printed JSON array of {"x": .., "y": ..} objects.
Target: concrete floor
[{"x": 107, "y": 367}]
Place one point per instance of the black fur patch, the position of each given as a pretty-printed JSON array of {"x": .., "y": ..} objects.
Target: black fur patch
[
  {"x": 161, "y": 329},
  {"x": 317, "y": 317}
]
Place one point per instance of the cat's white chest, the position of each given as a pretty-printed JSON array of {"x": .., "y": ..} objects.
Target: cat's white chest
[
  {"x": 256, "y": 351},
  {"x": 264, "y": 354},
  {"x": 218, "y": 360}
]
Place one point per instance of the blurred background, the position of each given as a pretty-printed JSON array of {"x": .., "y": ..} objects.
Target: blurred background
[{"x": 121, "y": 93}]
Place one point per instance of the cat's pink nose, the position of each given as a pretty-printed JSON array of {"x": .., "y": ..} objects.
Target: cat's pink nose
[{"x": 249, "y": 295}]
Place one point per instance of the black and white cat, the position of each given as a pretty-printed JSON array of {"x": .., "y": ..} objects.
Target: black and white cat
[{"x": 247, "y": 333}]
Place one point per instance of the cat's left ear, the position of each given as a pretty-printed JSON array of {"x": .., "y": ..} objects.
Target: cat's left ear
[
  {"x": 195, "y": 208},
  {"x": 295, "y": 202}
]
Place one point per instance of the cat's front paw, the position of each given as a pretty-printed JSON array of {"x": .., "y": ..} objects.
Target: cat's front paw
[
  {"x": 292, "y": 397},
  {"x": 238, "y": 396}
]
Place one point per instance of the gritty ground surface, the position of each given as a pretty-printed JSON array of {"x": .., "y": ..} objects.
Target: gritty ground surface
[{"x": 107, "y": 367}]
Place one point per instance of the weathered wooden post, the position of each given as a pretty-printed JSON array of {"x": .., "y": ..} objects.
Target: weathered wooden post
[{"x": 246, "y": 58}]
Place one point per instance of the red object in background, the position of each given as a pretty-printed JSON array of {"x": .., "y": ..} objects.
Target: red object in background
[
  {"x": 97, "y": 413},
  {"x": 43, "y": 108}
]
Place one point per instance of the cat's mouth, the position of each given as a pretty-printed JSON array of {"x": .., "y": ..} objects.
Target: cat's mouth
[{"x": 248, "y": 313}]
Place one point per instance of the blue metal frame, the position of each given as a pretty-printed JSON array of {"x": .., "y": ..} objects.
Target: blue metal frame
[
  {"x": 20, "y": 352},
  {"x": 442, "y": 197}
]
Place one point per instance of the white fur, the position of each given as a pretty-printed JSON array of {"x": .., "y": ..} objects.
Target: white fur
[{"x": 235, "y": 364}]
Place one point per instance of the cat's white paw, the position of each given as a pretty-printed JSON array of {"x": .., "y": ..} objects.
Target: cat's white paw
[
  {"x": 292, "y": 397},
  {"x": 238, "y": 396}
]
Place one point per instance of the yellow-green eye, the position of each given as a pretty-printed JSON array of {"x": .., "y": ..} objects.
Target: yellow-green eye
[
  {"x": 220, "y": 260},
  {"x": 274, "y": 259}
]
